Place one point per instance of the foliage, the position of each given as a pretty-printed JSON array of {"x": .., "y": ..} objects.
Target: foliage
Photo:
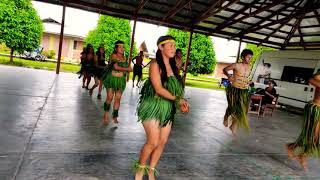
[
  {"x": 49, "y": 54},
  {"x": 20, "y": 26},
  {"x": 108, "y": 31},
  {"x": 202, "y": 56},
  {"x": 4, "y": 49},
  {"x": 257, "y": 51}
]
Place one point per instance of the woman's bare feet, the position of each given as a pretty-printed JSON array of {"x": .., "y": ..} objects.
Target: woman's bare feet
[
  {"x": 139, "y": 175},
  {"x": 290, "y": 151},
  {"x": 115, "y": 120},
  {"x": 151, "y": 176},
  {"x": 302, "y": 160},
  {"x": 106, "y": 118},
  {"x": 90, "y": 91},
  {"x": 152, "y": 173}
]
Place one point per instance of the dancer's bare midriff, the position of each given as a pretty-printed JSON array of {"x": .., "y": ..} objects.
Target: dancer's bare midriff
[{"x": 117, "y": 73}]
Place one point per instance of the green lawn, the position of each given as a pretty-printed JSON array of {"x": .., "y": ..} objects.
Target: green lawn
[
  {"x": 40, "y": 65},
  {"x": 201, "y": 81},
  {"x": 203, "y": 84}
]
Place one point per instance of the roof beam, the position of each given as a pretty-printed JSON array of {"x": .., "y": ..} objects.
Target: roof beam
[
  {"x": 178, "y": 7},
  {"x": 142, "y": 3},
  {"x": 260, "y": 33},
  {"x": 275, "y": 13},
  {"x": 249, "y": 14},
  {"x": 205, "y": 12},
  {"x": 306, "y": 44},
  {"x": 301, "y": 37},
  {"x": 297, "y": 14},
  {"x": 269, "y": 35},
  {"x": 293, "y": 30},
  {"x": 271, "y": 11},
  {"x": 235, "y": 14},
  {"x": 276, "y": 30},
  {"x": 244, "y": 22},
  {"x": 317, "y": 15},
  {"x": 210, "y": 10}
]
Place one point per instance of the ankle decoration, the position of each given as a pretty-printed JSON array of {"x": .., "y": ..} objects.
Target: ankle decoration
[
  {"x": 136, "y": 167},
  {"x": 155, "y": 172},
  {"x": 106, "y": 106},
  {"x": 115, "y": 113}
]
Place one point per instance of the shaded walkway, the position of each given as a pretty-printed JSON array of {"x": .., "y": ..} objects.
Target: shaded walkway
[{"x": 51, "y": 129}]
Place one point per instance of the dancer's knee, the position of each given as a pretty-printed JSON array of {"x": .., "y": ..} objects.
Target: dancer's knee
[
  {"x": 152, "y": 144},
  {"x": 163, "y": 142}
]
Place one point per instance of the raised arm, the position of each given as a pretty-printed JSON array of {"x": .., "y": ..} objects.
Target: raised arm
[
  {"x": 117, "y": 67},
  {"x": 228, "y": 68},
  {"x": 156, "y": 82},
  {"x": 133, "y": 59}
]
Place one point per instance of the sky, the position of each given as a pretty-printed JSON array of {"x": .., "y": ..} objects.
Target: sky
[{"x": 80, "y": 22}]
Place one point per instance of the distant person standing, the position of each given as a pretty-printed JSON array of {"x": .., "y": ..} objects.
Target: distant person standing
[
  {"x": 137, "y": 68},
  {"x": 179, "y": 63},
  {"x": 100, "y": 65},
  {"x": 87, "y": 63},
  {"x": 265, "y": 73}
]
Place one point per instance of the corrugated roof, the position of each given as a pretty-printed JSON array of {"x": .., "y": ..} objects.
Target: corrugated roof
[{"x": 282, "y": 24}]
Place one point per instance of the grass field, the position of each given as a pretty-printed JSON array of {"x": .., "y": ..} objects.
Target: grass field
[{"x": 201, "y": 81}]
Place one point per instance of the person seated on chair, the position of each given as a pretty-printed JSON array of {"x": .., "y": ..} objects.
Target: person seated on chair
[{"x": 269, "y": 93}]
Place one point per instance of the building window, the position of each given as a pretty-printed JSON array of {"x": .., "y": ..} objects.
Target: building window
[
  {"x": 75, "y": 44},
  {"x": 298, "y": 75}
]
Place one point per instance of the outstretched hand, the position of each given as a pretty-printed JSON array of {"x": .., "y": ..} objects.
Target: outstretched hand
[{"x": 184, "y": 106}]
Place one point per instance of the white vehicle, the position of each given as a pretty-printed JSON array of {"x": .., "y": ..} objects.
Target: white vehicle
[
  {"x": 35, "y": 55},
  {"x": 291, "y": 70}
]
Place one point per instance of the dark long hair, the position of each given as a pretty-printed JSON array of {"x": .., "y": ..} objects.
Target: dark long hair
[
  {"x": 159, "y": 59},
  {"x": 116, "y": 44},
  {"x": 99, "y": 55}
]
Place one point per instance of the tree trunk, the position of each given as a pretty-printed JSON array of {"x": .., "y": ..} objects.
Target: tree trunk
[{"x": 11, "y": 56}]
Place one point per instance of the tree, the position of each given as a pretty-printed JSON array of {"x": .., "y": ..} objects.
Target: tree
[
  {"x": 257, "y": 51},
  {"x": 20, "y": 26},
  {"x": 108, "y": 31},
  {"x": 202, "y": 55}
]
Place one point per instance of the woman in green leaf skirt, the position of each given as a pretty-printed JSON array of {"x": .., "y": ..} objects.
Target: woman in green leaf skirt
[
  {"x": 114, "y": 80},
  {"x": 161, "y": 96}
]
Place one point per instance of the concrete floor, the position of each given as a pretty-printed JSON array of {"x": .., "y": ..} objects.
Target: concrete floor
[{"x": 52, "y": 129}]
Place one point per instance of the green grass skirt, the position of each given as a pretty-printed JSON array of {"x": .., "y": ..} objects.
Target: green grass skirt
[
  {"x": 153, "y": 107},
  {"x": 115, "y": 83},
  {"x": 238, "y": 104},
  {"x": 308, "y": 141}
]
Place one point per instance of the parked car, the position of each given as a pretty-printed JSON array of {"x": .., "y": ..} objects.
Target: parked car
[{"x": 35, "y": 55}]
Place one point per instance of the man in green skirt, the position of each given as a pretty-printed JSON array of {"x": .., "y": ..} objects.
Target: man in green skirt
[
  {"x": 238, "y": 96},
  {"x": 307, "y": 143}
]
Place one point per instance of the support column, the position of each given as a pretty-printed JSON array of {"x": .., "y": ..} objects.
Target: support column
[
  {"x": 188, "y": 58},
  {"x": 238, "y": 55},
  {"x": 61, "y": 38},
  {"x": 132, "y": 44}
]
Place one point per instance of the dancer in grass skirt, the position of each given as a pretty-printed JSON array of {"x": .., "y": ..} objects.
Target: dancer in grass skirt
[
  {"x": 114, "y": 80},
  {"x": 100, "y": 66},
  {"x": 238, "y": 96},
  {"x": 307, "y": 144},
  {"x": 161, "y": 96}
]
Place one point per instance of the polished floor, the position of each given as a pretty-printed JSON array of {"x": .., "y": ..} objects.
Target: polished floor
[{"x": 52, "y": 129}]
